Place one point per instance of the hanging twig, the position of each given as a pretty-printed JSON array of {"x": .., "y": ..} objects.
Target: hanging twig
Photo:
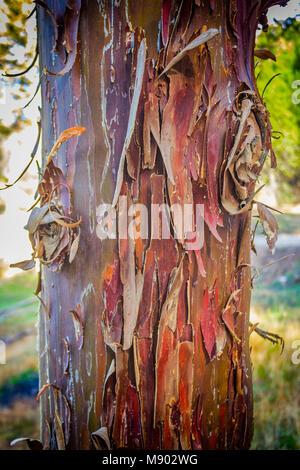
[
  {"x": 258, "y": 270},
  {"x": 18, "y": 74},
  {"x": 272, "y": 337},
  {"x": 33, "y": 154},
  {"x": 35, "y": 93},
  {"x": 34, "y": 204},
  {"x": 271, "y": 79},
  {"x": 30, "y": 14}
]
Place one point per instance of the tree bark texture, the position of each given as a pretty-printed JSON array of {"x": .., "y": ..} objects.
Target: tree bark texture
[{"x": 146, "y": 342}]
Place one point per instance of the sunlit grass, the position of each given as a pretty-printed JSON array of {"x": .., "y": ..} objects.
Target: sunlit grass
[{"x": 276, "y": 383}]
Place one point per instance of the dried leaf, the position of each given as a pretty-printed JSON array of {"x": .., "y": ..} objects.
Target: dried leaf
[
  {"x": 264, "y": 54},
  {"x": 202, "y": 39},
  {"x": 269, "y": 224},
  {"x": 25, "y": 265},
  {"x": 36, "y": 217}
]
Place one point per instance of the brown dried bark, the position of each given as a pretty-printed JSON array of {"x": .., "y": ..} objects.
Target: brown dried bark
[{"x": 147, "y": 341}]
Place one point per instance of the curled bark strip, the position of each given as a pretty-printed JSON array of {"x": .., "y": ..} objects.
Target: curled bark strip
[
  {"x": 66, "y": 356},
  {"x": 62, "y": 222},
  {"x": 78, "y": 325},
  {"x": 100, "y": 439},
  {"x": 59, "y": 432},
  {"x": 18, "y": 74},
  {"x": 212, "y": 329},
  {"x": 65, "y": 135},
  {"x": 53, "y": 233},
  {"x": 33, "y": 154},
  {"x": 47, "y": 310},
  {"x": 43, "y": 388},
  {"x": 140, "y": 68},
  {"x": 70, "y": 36},
  {"x": 202, "y": 39},
  {"x": 74, "y": 248},
  {"x": 33, "y": 444},
  {"x": 228, "y": 314},
  {"x": 245, "y": 159},
  {"x": 52, "y": 17}
]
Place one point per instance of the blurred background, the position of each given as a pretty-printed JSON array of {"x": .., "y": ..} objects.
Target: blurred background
[{"x": 276, "y": 293}]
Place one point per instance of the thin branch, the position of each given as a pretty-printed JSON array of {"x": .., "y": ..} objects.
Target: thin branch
[
  {"x": 272, "y": 337},
  {"x": 33, "y": 154},
  {"x": 30, "y": 14},
  {"x": 35, "y": 93},
  {"x": 271, "y": 79},
  {"x": 18, "y": 74},
  {"x": 269, "y": 207}
]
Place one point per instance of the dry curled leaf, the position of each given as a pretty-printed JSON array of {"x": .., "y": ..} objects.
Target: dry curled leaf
[
  {"x": 52, "y": 235},
  {"x": 264, "y": 54},
  {"x": 52, "y": 231},
  {"x": 269, "y": 224},
  {"x": 245, "y": 158},
  {"x": 71, "y": 21},
  {"x": 25, "y": 265}
]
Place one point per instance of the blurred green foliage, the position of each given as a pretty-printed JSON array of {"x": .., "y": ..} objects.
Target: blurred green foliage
[{"x": 284, "y": 41}]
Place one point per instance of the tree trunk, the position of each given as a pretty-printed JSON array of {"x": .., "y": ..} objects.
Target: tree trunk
[{"x": 147, "y": 340}]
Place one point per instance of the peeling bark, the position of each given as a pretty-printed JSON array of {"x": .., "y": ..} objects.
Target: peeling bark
[{"x": 155, "y": 352}]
